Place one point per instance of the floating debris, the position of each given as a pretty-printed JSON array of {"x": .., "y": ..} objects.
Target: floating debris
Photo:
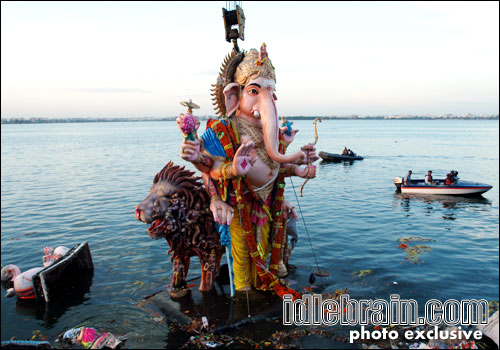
[
  {"x": 415, "y": 239},
  {"x": 362, "y": 273},
  {"x": 158, "y": 319},
  {"x": 30, "y": 233},
  {"x": 198, "y": 325},
  {"x": 37, "y": 335},
  {"x": 91, "y": 338},
  {"x": 336, "y": 294},
  {"x": 292, "y": 338},
  {"x": 279, "y": 340},
  {"x": 493, "y": 306},
  {"x": 414, "y": 252}
]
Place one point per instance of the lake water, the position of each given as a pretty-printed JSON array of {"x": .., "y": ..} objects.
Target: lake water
[{"x": 62, "y": 184}]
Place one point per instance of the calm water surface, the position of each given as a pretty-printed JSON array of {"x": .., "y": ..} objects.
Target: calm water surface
[{"x": 63, "y": 184}]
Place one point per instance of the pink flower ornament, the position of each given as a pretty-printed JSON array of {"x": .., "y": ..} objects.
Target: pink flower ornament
[{"x": 189, "y": 124}]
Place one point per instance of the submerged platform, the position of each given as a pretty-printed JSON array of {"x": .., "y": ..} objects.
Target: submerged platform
[
  {"x": 257, "y": 317},
  {"x": 241, "y": 322}
]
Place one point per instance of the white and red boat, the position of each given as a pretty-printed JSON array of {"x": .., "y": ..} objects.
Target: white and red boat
[{"x": 460, "y": 188}]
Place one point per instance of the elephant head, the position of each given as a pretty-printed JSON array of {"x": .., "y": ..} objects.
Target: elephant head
[{"x": 246, "y": 89}]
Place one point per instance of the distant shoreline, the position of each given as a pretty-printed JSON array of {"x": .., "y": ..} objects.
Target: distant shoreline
[{"x": 93, "y": 120}]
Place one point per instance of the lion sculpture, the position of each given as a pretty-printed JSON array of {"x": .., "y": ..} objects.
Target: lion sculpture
[{"x": 177, "y": 208}]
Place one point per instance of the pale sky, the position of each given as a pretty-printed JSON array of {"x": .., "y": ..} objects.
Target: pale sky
[{"x": 139, "y": 59}]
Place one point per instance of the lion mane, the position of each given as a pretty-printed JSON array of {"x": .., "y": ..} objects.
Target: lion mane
[
  {"x": 182, "y": 181},
  {"x": 189, "y": 226}
]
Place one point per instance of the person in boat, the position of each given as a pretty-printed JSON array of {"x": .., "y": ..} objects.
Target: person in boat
[
  {"x": 428, "y": 178},
  {"x": 345, "y": 152},
  {"x": 447, "y": 182},
  {"x": 453, "y": 177},
  {"x": 407, "y": 179}
]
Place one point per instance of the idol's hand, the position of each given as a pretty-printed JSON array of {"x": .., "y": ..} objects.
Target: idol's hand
[
  {"x": 310, "y": 151},
  {"x": 309, "y": 172},
  {"x": 289, "y": 209},
  {"x": 288, "y": 139},
  {"x": 180, "y": 122},
  {"x": 243, "y": 161},
  {"x": 190, "y": 151},
  {"x": 222, "y": 212}
]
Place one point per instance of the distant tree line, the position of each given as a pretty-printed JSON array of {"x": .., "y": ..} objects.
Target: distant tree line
[{"x": 300, "y": 117}]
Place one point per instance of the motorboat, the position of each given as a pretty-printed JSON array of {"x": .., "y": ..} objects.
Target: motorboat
[
  {"x": 338, "y": 157},
  {"x": 459, "y": 188}
]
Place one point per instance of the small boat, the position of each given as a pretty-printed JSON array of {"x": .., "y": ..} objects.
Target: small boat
[
  {"x": 461, "y": 188},
  {"x": 338, "y": 157}
]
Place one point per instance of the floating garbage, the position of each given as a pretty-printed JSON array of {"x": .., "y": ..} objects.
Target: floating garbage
[
  {"x": 415, "y": 239},
  {"x": 90, "y": 338},
  {"x": 197, "y": 325},
  {"x": 61, "y": 267},
  {"x": 414, "y": 252},
  {"x": 74, "y": 269},
  {"x": 279, "y": 340},
  {"x": 138, "y": 282},
  {"x": 362, "y": 273},
  {"x": 23, "y": 282}
]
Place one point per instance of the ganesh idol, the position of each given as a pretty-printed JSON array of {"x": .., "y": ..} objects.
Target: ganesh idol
[{"x": 243, "y": 160}]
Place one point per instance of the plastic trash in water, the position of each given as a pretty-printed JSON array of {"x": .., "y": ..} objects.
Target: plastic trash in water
[{"x": 90, "y": 338}]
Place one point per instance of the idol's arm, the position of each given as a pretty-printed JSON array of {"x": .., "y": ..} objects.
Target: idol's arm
[{"x": 191, "y": 151}]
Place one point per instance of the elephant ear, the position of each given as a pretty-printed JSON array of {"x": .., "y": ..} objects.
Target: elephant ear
[
  {"x": 226, "y": 76},
  {"x": 232, "y": 97}
]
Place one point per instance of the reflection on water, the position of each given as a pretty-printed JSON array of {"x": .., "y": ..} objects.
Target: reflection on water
[
  {"x": 453, "y": 203},
  {"x": 26, "y": 307},
  {"x": 345, "y": 163},
  {"x": 75, "y": 293},
  {"x": 448, "y": 202}
]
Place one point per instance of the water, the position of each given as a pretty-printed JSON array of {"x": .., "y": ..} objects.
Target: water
[{"x": 63, "y": 184}]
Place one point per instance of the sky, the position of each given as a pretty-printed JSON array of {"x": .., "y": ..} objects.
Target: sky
[{"x": 140, "y": 59}]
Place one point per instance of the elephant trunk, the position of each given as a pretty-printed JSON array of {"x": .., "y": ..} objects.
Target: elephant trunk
[
  {"x": 10, "y": 272},
  {"x": 270, "y": 128}
]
